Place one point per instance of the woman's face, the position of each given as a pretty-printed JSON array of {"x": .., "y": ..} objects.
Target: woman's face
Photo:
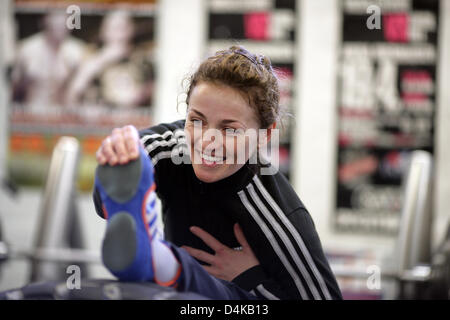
[{"x": 218, "y": 122}]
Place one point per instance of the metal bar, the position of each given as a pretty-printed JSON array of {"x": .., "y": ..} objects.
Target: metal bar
[
  {"x": 414, "y": 240},
  {"x": 57, "y": 255},
  {"x": 56, "y": 216}
]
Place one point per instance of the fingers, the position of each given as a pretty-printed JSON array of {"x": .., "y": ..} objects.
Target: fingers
[
  {"x": 212, "y": 242},
  {"x": 205, "y": 257},
  {"x": 101, "y": 159},
  {"x": 108, "y": 151},
  {"x": 200, "y": 254},
  {"x": 131, "y": 138},
  {"x": 118, "y": 143},
  {"x": 240, "y": 236}
]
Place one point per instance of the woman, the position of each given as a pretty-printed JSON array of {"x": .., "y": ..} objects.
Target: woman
[{"x": 250, "y": 230}]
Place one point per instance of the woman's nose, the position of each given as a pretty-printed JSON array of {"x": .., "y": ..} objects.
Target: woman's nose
[{"x": 212, "y": 140}]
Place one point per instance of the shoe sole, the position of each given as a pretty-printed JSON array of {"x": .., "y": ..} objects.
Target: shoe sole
[{"x": 119, "y": 245}]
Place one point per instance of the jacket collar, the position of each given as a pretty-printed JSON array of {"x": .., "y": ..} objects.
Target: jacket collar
[{"x": 235, "y": 182}]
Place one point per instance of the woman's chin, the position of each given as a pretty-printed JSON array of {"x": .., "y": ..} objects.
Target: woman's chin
[{"x": 205, "y": 176}]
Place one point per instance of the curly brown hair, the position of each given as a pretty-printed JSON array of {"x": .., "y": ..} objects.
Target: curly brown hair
[{"x": 252, "y": 74}]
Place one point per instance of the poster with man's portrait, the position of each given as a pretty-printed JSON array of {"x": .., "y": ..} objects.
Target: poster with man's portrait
[{"x": 79, "y": 70}]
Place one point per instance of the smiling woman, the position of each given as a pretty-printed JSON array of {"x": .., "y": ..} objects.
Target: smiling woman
[
  {"x": 218, "y": 109},
  {"x": 231, "y": 232}
]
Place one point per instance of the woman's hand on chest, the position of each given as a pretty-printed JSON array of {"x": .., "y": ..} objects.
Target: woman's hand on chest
[{"x": 226, "y": 263}]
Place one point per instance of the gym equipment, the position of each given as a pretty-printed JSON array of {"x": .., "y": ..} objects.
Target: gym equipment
[
  {"x": 4, "y": 250},
  {"x": 59, "y": 241},
  {"x": 9, "y": 186},
  {"x": 419, "y": 273},
  {"x": 58, "y": 225},
  {"x": 414, "y": 239},
  {"x": 59, "y": 238},
  {"x": 98, "y": 289}
]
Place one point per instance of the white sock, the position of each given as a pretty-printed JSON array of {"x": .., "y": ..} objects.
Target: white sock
[{"x": 166, "y": 267}]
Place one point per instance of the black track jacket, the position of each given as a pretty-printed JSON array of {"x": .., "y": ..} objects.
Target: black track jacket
[{"x": 275, "y": 223}]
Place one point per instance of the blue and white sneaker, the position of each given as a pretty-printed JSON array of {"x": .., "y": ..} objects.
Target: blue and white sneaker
[{"x": 128, "y": 197}]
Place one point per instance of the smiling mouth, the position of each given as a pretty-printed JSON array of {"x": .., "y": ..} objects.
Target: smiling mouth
[{"x": 210, "y": 161}]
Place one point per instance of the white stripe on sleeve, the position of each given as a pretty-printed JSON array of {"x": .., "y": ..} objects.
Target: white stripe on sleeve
[
  {"x": 296, "y": 236},
  {"x": 265, "y": 293},
  {"x": 287, "y": 242},
  {"x": 144, "y": 139},
  {"x": 274, "y": 244}
]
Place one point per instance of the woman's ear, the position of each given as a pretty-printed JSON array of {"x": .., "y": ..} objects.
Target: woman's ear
[{"x": 269, "y": 131}]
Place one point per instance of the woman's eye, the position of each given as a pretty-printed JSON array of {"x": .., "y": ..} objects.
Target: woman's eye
[
  {"x": 231, "y": 131},
  {"x": 196, "y": 122}
]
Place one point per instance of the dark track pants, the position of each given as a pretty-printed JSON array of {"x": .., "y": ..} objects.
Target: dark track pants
[{"x": 195, "y": 279}]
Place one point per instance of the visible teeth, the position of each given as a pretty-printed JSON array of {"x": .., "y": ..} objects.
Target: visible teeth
[{"x": 211, "y": 159}]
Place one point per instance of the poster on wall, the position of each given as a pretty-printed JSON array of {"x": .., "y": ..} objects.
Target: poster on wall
[
  {"x": 79, "y": 70},
  {"x": 386, "y": 107},
  {"x": 264, "y": 27}
]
